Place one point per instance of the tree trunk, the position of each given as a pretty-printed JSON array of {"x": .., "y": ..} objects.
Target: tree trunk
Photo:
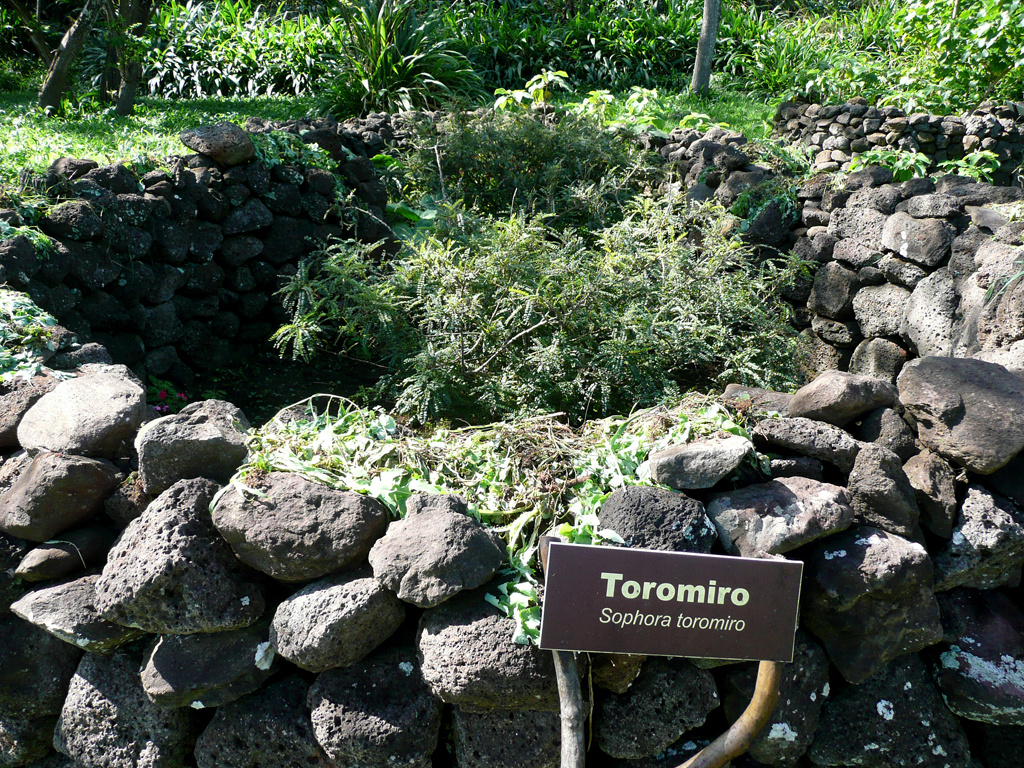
[
  {"x": 55, "y": 84},
  {"x": 573, "y": 710},
  {"x": 35, "y": 32},
  {"x": 701, "y": 82},
  {"x": 134, "y": 17}
]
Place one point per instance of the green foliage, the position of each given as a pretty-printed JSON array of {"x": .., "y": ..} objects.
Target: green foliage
[
  {"x": 524, "y": 478},
  {"x": 904, "y": 164},
  {"x": 229, "y": 48},
  {"x": 753, "y": 201},
  {"x": 980, "y": 166},
  {"x": 25, "y": 332},
  {"x": 536, "y": 91},
  {"x": 498, "y": 162},
  {"x": 490, "y": 318},
  {"x": 390, "y": 60}
]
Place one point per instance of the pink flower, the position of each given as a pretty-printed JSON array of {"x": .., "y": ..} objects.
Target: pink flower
[
  {"x": 183, "y": 396},
  {"x": 162, "y": 395}
]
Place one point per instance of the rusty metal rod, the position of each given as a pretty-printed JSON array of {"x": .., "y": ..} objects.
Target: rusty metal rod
[{"x": 735, "y": 741}]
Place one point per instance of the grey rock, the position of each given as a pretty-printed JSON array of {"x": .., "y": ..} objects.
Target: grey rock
[
  {"x": 615, "y": 672},
  {"x": 436, "y": 551},
  {"x": 872, "y": 176},
  {"x": 55, "y": 492},
  {"x": 15, "y": 403},
  {"x": 208, "y": 669},
  {"x": 90, "y": 416},
  {"x": 25, "y": 740},
  {"x": 883, "y": 199},
  {"x": 968, "y": 411},
  {"x": 670, "y": 697},
  {"x": 934, "y": 486},
  {"x": 75, "y": 551},
  {"x": 206, "y": 439},
  {"x": 378, "y": 712},
  {"x": 885, "y": 427},
  {"x": 980, "y": 671},
  {"x": 299, "y": 530},
  {"x": 469, "y": 659},
  {"x": 923, "y": 241},
  {"x": 171, "y": 573},
  {"x": 68, "y": 612},
  {"x": 700, "y": 464},
  {"x": 73, "y": 220},
  {"x": 865, "y": 224},
  {"x": 880, "y": 492},
  {"x": 811, "y": 438},
  {"x": 802, "y": 693},
  {"x": 655, "y": 518},
  {"x": 901, "y": 272},
  {"x": 335, "y": 622},
  {"x": 270, "y": 727},
  {"x": 754, "y": 401},
  {"x": 838, "y": 398},
  {"x": 513, "y": 739},
  {"x": 878, "y": 358},
  {"x": 868, "y": 597},
  {"x": 108, "y": 722},
  {"x": 986, "y": 549},
  {"x": 817, "y": 356},
  {"x": 35, "y": 669},
  {"x": 12, "y": 587},
  {"x": 833, "y": 291},
  {"x": 895, "y": 717},
  {"x": 224, "y": 142},
  {"x": 928, "y": 320},
  {"x": 778, "y": 516},
  {"x": 796, "y": 466},
  {"x": 879, "y": 309},
  {"x": 837, "y": 333},
  {"x": 856, "y": 253},
  {"x": 1008, "y": 481},
  {"x": 935, "y": 206},
  {"x": 252, "y": 215}
]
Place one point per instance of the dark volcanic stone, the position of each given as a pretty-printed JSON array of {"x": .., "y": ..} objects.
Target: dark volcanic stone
[
  {"x": 838, "y": 398},
  {"x": 881, "y": 493},
  {"x": 513, "y": 739},
  {"x": 885, "y": 427},
  {"x": 470, "y": 660},
  {"x": 435, "y": 551},
  {"x": 25, "y": 740},
  {"x": 171, "y": 573},
  {"x": 896, "y": 717},
  {"x": 35, "y": 668},
  {"x": 378, "y": 712},
  {"x": 299, "y": 530},
  {"x": 77, "y": 550},
  {"x": 934, "y": 484},
  {"x": 335, "y": 622},
  {"x": 268, "y": 728},
  {"x": 224, "y": 142},
  {"x": 811, "y": 438},
  {"x": 208, "y": 669},
  {"x": 670, "y": 697},
  {"x": 868, "y": 597},
  {"x": 654, "y": 518},
  {"x": 11, "y": 586},
  {"x": 108, "y": 721}
]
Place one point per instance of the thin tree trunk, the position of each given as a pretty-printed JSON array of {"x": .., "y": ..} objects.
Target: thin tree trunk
[
  {"x": 55, "y": 84},
  {"x": 35, "y": 32},
  {"x": 134, "y": 16},
  {"x": 573, "y": 710},
  {"x": 701, "y": 82}
]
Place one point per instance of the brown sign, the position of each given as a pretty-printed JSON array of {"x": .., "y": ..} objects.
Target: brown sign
[{"x": 612, "y": 600}]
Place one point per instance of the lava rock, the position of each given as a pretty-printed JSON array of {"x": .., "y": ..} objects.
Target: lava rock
[
  {"x": 76, "y": 551},
  {"x": 269, "y": 727},
  {"x": 754, "y": 401},
  {"x": 335, "y": 622},
  {"x": 55, "y": 492},
  {"x": 929, "y": 318},
  {"x": 833, "y": 292},
  {"x": 435, "y": 551},
  {"x": 838, "y": 398},
  {"x": 811, "y": 438},
  {"x": 108, "y": 721},
  {"x": 615, "y": 672},
  {"x": 25, "y": 740},
  {"x": 986, "y": 549},
  {"x": 512, "y": 739},
  {"x": 885, "y": 427},
  {"x": 89, "y": 416},
  {"x": 868, "y": 597},
  {"x": 778, "y": 516},
  {"x": 895, "y": 717},
  {"x": 879, "y": 309},
  {"x": 968, "y": 411},
  {"x": 35, "y": 669},
  {"x": 299, "y": 530},
  {"x": 12, "y": 587},
  {"x": 934, "y": 486},
  {"x": 208, "y": 669},
  {"x": 16, "y": 402},
  {"x": 225, "y": 143},
  {"x": 171, "y": 573},
  {"x": 923, "y": 241},
  {"x": 700, "y": 464},
  {"x": 68, "y": 611},
  {"x": 205, "y": 439},
  {"x": 378, "y": 712},
  {"x": 880, "y": 492},
  {"x": 670, "y": 697},
  {"x": 878, "y": 358},
  {"x": 469, "y": 658},
  {"x": 655, "y": 518}
]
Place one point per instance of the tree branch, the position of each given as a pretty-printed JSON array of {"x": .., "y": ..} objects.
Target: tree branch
[
  {"x": 573, "y": 710},
  {"x": 35, "y": 31}
]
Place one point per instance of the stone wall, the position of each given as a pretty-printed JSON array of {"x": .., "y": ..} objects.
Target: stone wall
[
  {"x": 176, "y": 270},
  {"x": 838, "y": 133}
]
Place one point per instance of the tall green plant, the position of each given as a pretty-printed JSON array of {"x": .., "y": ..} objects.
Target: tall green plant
[{"x": 391, "y": 60}]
